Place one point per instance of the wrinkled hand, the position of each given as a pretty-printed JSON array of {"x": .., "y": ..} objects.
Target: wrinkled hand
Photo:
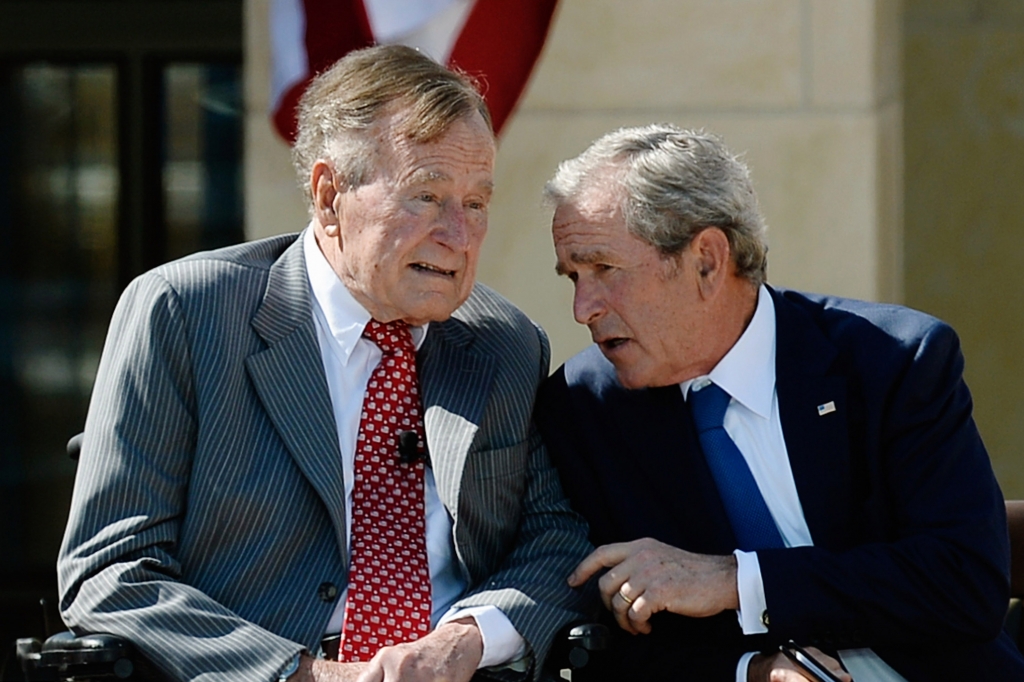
[
  {"x": 451, "y": 653},
  {"x": 647, "y": 576},
  {"x": 778, "y": 668},
  {"x": 318, "y": 670}
]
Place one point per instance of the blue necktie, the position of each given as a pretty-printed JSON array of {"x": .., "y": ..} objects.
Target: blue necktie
[{"x": 751, "y": 521}]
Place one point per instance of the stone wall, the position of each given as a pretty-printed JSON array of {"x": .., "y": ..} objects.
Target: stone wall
[{"x": 964, "y": 130}]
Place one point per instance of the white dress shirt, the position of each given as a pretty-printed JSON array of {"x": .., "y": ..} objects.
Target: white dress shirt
[
  {"x": 349, "y": 360},
  {"x": 747, "y": 373}
]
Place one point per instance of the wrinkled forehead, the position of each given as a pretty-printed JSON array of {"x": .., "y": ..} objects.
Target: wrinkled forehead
[
  {"x": 596, "y": 204},
  {"x": 470, "y": 133},
  {"x": 599, "y": 192}
]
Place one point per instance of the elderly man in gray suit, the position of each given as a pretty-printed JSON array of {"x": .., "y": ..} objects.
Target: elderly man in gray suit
[{"x": 238, "y": 501}]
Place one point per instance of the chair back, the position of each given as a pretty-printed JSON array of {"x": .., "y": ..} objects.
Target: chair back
[
  {"x": 1015, "y": 519},
  {"x": 1014, "y": 624}
]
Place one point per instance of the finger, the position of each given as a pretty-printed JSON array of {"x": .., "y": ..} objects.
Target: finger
[
  {"x": 611, "y": 584},
  {"x": 605, "y": 556},
  {"x": 627, "y": 591},
  {"x": 373, "y": 672},
  {"x": 786, "y": 675},
  {"x": 836, "y": 669},
  {"x": 640, "y": 614},
  {"x": 620, "y": 609}
]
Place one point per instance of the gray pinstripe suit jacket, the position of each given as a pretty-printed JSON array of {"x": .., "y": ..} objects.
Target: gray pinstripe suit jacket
[{"x": 208, "y": 510}]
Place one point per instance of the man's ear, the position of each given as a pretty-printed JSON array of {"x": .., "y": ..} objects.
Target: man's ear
[
  {"x": 324, "y": 191},
  {"x": 713, "y": 256}
]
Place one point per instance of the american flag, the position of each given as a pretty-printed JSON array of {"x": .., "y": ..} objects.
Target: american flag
[{"x": 495, "y": 41}]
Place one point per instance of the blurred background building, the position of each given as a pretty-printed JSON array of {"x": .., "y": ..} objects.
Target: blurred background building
[{"x": 886, "y": 139}]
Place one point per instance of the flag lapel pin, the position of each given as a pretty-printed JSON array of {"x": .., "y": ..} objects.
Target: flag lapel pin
[{"x": 827, "y": 408}]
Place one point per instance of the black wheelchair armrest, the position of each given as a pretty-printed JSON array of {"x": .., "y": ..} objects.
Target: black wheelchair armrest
[
  {"x": 67, "y": 656},
  {"x": 576, "y": 648}
]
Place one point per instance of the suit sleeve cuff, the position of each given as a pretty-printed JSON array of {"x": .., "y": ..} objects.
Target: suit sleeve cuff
[
  {"x": 502, "y": 643},
  {"x": 753, "y": 610}
]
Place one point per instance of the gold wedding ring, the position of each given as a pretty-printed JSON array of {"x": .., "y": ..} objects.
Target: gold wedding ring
[{"x": 625, "y": 598}]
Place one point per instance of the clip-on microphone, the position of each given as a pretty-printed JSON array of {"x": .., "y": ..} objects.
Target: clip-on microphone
[{"x": 408, "y": 447}]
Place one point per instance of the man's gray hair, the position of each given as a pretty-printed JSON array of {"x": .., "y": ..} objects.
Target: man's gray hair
[
  {"x": 675, "y": 183},
  {"x": 340, "y": 107}
]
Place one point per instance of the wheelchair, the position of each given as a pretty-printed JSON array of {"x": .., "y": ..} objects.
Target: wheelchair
[{"x": 67, "y": 657}]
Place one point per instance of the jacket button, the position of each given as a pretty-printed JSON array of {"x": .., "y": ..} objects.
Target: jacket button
[{"x": 327, "y": 592}]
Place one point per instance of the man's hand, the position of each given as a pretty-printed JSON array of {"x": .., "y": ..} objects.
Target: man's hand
[
  {"x": 778, "y": 668},
  {"x": 647, "y": 576},
  {"x": 451, "y": 653},
  {"x": 318, "y": 670}
]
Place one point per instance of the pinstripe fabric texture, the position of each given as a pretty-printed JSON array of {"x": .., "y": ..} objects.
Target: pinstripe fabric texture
[{"x": 208, "y": 510}]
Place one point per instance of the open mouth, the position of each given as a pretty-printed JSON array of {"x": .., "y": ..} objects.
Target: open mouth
[
  {"x": 426, "y": 267},
  {"x": 613, "y": 343}
]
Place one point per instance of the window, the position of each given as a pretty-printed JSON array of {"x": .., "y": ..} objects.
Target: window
[{"x": 120, "y": 149}]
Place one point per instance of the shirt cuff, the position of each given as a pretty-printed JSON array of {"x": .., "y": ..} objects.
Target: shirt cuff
[
  {"x": 502, "y": 642},
  {"x": 741, "y": 667},
  {"x": 753, "y": 605}
]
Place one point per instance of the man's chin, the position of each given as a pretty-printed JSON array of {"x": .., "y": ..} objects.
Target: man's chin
[
  {"x": 627, "y": 374},
  {"x": 434, "y": 311},
  {"x": 629, "y": 383},
  {"x": 633, "y": 375}
]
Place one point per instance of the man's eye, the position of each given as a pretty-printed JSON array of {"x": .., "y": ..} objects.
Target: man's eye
[
  {"x": 429, "y": 198},
  {"x": 476, "y": 205}
]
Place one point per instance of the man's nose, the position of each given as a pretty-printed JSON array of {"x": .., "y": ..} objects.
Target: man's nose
[
  {"x": 587, "y": 303},
  {"x": 452, "y": 229}
]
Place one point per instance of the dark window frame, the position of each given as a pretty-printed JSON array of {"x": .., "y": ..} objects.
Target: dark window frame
[{"x": 138, "y": 37}]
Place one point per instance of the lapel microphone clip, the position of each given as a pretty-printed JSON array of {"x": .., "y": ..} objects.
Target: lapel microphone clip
[{"x": 408, "y": 448}]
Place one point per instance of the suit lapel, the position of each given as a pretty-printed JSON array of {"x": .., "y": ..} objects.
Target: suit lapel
[
  {"x": 289, "y": 379},
  {"x": 814, "y": 410},
  {"x": 455, "y": 381}
]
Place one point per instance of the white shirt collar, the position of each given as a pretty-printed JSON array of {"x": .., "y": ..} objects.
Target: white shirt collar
[
  {"x": 334, "y": 306},
  {"x": 747, "y": 372}
]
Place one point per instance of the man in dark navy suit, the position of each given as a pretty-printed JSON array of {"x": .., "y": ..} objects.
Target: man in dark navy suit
[{"x": 760, "y": 465}]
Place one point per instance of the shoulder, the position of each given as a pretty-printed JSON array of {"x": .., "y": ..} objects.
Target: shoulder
[
  {"x": 232, "y": 273},
  {"x": 494, "y": 325},
  {"x": 588, "y": 381},
  {"x": 850, "y": 314},
  {"x": 591, "y": 369},
  {"x": 210, "y": 268},
  {"x": 880, "y": 339},
  {"x": 226, "y": 283}
]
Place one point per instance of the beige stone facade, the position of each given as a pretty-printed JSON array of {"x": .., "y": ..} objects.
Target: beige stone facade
[{"x": 964, "y": 131}]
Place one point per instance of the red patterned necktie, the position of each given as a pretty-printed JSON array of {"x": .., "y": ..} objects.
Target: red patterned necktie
[{"x": 389, "y": 578}]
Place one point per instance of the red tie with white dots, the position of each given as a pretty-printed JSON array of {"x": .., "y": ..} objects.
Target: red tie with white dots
[{"x": 389, "y": 578}]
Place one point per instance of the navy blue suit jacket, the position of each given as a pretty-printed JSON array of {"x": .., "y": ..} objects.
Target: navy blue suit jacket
[{"x": 910, "y": 552}]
